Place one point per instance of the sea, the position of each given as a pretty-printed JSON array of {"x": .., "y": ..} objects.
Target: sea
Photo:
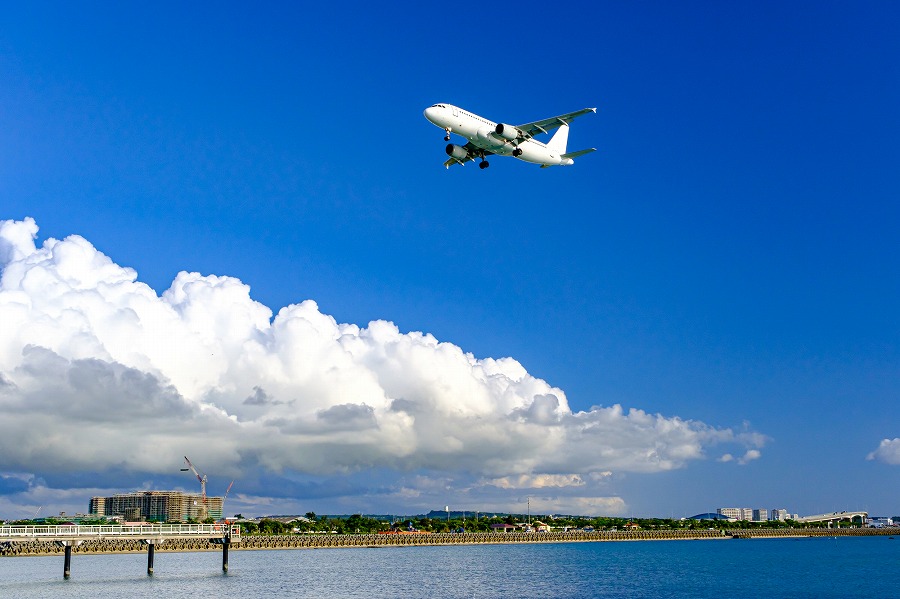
[{"x": 844, "y": 567}]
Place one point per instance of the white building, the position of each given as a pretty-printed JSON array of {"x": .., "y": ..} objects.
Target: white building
[
  {"x": 736, "y": 513},
  {"x": 760, "y": 515},
  {"x": 879, "y": 522},
  {"x": 779, "y": 514}
]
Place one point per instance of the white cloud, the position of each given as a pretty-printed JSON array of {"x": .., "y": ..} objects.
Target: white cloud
[
  {"x": 749, "y": 456},
  {"x": 586, "y": 505},
  {"x": 537, "y": 481},
  {"x": 115, "y": 376},
  {"x": 888, "y": 452},
  {"x": 752, "y": 454}
]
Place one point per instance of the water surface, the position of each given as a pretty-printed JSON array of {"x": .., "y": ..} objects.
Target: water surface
[{"x": 846, "y": 567}]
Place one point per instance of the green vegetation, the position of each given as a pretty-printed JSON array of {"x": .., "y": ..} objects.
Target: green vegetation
[
  {"x": 359, "y": 524},
  {"x": 355, "y": 524}
]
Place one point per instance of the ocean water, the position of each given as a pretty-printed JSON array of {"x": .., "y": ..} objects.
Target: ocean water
[{"x": 844, "y": 567}]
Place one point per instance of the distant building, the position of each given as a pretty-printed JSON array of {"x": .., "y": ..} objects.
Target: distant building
[
  {"x": 736, "y": 513},
  {"x": 162, "y": 506},
  {"x": 502, "y": 527},
  {"x": 779, "y": 515},
  {"x": 709, "y": 516},
  {"x": 284, "y": 519},
  {"x": 746, "y": 513},
  {"x": 879, "y": 522},
  {"x": 541, "y": 526},
  {"x": 760, "y": 515}
]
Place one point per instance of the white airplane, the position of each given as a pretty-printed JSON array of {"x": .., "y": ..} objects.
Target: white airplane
[{"x": 486, "y": 138}]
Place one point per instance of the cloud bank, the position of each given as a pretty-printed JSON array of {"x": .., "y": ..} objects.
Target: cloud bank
[
  {"x": 99, "y": 373},
  {"x": 888, "y": 452}
]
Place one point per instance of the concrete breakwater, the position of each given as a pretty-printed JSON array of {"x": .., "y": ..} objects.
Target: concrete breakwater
[
  {"x": 760, "y": 533},
  {"x": 321, "y": 541}
]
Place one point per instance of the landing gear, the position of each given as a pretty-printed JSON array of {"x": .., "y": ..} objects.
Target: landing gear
[
  {"x": 484, "y": 164},
  {"x": 447, "y": 137},
  {"x": 517, "y": 152}
]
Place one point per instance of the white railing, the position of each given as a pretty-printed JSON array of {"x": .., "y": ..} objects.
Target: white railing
[{"x": 141, "y": 531}]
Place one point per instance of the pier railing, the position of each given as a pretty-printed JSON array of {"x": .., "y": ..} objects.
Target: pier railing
[
  {"x": 68, "y": 536},
  {"x": 64, "y": 532}
]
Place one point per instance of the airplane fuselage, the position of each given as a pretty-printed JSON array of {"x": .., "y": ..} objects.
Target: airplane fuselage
[{"x": 483, "y": 134}]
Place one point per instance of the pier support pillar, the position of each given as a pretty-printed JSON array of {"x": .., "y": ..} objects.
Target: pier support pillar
[
  {"x": 225, "y": 543},
  {"x": 67, "y": 565},
  {"x": 151, "y": 551}
]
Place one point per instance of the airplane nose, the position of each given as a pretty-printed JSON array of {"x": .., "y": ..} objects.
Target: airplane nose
[{"x": 430, "y": 113}]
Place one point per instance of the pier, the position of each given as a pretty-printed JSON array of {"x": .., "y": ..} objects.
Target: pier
[
  {"x": 191, "y": 538},
  {"x": 151, "y": 535}
]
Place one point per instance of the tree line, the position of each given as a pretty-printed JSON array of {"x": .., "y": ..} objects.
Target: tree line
[{"x": 360, "y": 524}]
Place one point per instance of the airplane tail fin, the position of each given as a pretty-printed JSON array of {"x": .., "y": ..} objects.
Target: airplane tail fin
[{"x": 560, "y": 139}]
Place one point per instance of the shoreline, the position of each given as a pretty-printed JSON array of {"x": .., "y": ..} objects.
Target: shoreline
[{"x": 373, "y": 541}]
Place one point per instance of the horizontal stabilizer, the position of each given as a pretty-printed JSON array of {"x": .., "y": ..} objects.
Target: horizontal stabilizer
[{"x": 578, "y": 153}]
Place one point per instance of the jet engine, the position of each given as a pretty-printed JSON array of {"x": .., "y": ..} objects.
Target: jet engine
[
  {"x": 457, "y": 152},
  {"x": 508, "y": 132}
]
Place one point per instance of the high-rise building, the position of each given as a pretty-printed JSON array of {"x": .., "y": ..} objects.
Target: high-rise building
[
  {"x": 160, "y": 506},
  {"x": 736, "y": 513},
  {"x": 779, "y": 514},
  {"x": 760, "y": 515}
]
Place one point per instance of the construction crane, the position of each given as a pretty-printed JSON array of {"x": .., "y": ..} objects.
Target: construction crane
[
  {"x": 200, "y": 477},
  {"x": 224, "y": 497}
]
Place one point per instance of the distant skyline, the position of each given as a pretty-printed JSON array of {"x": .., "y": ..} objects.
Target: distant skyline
[{"x": 226, "y": 232}]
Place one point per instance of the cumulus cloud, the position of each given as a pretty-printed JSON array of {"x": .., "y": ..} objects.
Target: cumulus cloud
[
  {"x": 553, "y": 504},
  {"x": 259, "y": 397},
  {"x": 537, "y": 481},
  {"x": 749, "y": 456},
  {"x": 752, "y": 454},
  {"x": 117, "y": 376},
  {"x": 888, "y": 452}
]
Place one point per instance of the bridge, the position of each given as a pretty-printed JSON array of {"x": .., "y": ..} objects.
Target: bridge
[
  {"x": 836, "y": 517},
  {"x": 68, "y": 536}
]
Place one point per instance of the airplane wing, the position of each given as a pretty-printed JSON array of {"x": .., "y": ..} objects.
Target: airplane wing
[
  {"x": 473, "y": 151},
  {"x": 451, "y": 161},
  {"x": 538, "y": 127}
]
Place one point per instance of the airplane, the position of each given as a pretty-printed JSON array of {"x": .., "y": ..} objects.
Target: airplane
[{"x": 486, "y": 137}]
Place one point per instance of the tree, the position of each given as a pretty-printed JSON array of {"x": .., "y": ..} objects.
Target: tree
[
  {"x": 248, "y": 527},
  {"x": 273, "y": 527}
]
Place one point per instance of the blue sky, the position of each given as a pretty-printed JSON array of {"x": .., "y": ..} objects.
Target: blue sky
[{"x": 728, "y": 257}]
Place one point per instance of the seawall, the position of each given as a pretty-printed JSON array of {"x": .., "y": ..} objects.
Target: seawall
[
  {"x": 760, "y": 533},
  {"x": 322, "y": 541}
]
